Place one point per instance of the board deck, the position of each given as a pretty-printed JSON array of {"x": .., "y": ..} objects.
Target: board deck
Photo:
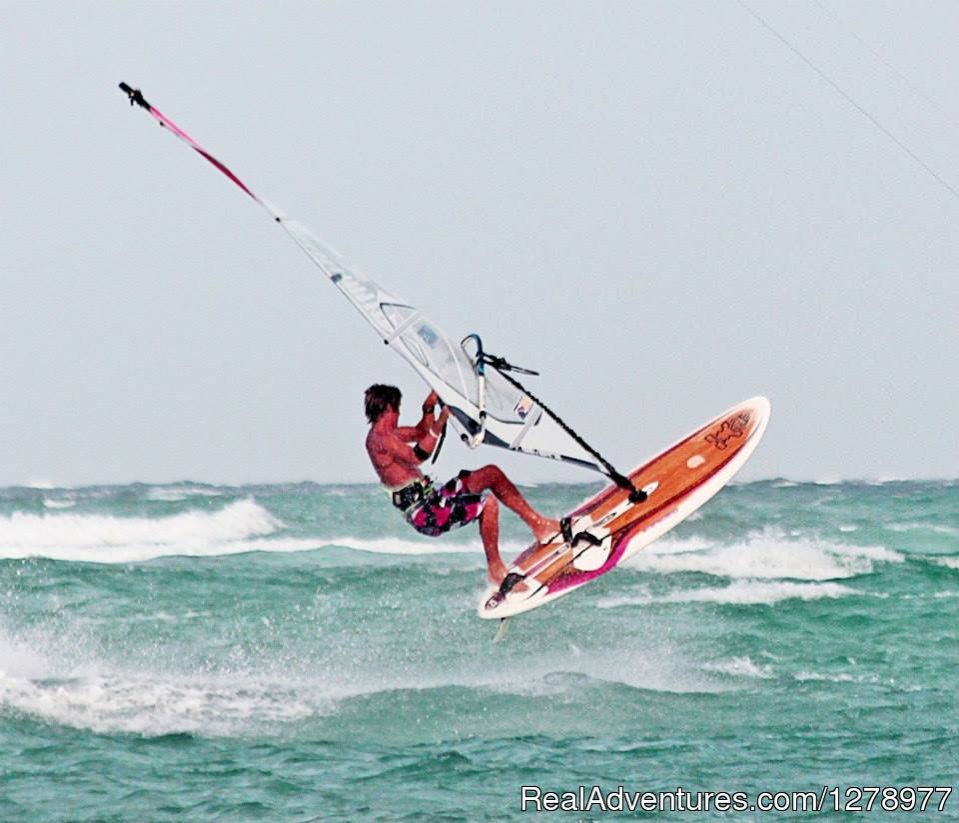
[{"x": 677, "y": 482}]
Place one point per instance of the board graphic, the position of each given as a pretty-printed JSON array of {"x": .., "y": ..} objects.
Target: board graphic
[{"x": 608, "y": 528}]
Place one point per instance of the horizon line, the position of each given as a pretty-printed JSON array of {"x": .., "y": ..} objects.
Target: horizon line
[{"x": 828, "y": 480}]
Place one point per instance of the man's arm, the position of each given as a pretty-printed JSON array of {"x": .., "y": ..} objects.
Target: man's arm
[
  {"x": 403, "y": 454},
  {"x": 413, "y": 434},
  {"x": 411, "y": 456},
  {"x": 425, "y": 444}
]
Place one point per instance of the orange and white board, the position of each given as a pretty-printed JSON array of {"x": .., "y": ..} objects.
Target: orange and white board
[{"x": 677, "y": 482}]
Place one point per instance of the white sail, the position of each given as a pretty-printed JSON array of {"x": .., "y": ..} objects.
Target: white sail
[
  {"x": 485, "y": 405},
  {"x": 513, "y": 420}
]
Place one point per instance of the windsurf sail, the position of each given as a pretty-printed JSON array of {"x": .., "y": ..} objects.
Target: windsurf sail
[{"x": 488, "y": 406}]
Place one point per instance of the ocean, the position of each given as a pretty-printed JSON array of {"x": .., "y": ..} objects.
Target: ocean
[{"x": 296, "y": 652}]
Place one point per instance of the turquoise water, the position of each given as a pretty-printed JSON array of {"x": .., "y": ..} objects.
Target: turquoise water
[{"x": 294, "y": 652}]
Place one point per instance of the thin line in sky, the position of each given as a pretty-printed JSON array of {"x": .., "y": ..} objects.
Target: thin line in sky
[
  {"x": 851, "y": 100},
  {"x": 912, "y": 85}
]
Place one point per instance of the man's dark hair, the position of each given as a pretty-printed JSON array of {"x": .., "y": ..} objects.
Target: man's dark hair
[{"x": 379, "y": 398}]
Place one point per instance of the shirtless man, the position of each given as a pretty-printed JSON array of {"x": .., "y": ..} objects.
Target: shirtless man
[{"x": 435, "y": 510}]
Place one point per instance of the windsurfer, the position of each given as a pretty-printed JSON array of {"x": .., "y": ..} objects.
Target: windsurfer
[{"x": 436, "y": 509}]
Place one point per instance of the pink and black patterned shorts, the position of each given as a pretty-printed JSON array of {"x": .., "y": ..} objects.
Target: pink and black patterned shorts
[{"x": 446, "y": 508}]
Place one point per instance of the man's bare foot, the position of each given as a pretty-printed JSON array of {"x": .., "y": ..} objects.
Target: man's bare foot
[
  {"x": 495, "y": 573},
  {"x": 547, "y": 530}
]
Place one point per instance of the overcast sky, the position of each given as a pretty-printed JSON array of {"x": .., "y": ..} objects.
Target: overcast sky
[{"x": 659, "y": 205}]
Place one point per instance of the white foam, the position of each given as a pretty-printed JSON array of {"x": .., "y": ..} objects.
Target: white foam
[
  {"x": 176, "y": 493},
  {"x": 935, "y": 528},
  {"x": 158, "y": 704},
  {"x": 661, "y": 666},
  {"x": 396, "y": 545},
  {"x": 948, "y": 562},
  {"x": 19, "y": 660},
  {"x": 739, "y": 667},
  {"x": 60, "y": 678},
  {"x": 57, "y": 679},
  {"x": 59, "y": 504},
  {"x": 242, "y": 526},
  {"x": 842, "y": 677},
  {"x": 741, "y": 592},
  {"x": 103, "y": 538},
  {"x": 878, "y": 553},
  {"x": 770, "y": 555}
]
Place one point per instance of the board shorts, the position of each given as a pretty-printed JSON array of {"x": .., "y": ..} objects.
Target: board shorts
[{"x": 440, "y": 509}]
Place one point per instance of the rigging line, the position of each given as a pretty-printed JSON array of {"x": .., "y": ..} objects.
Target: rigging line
[
  {"x": 621, "y": 480},
  {"x": 914, "y": 87},
  {"x": 916, "y": 158}
]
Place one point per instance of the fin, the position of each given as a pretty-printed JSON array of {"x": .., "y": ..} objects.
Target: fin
[{"x": 501, "y": 631}]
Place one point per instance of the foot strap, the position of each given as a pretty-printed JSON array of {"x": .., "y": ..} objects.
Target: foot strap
[
  {"x": 566, "y": 525},
  {"x": 510, "y": 581},
  {"x": 587, "y": 537}
]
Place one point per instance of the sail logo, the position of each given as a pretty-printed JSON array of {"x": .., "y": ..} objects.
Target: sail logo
[
  {"x": 732, "y": 428},
  {"x": 427, "y": 335},
  {"x": 523, "y": 406}
]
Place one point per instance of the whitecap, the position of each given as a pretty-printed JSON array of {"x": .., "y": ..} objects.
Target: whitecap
[
  {"x": 878, "y": 553},
  {"x": 105, "y": 538},
  {"x": 174, "y": 494},
  {"x": 740, "y": 667},
  {"x": 54, "y": 678},
  {"x": 935, "y": 528},
  {"x": 159, "y": 704},
  {"x": 769, "y": 555},
  {"x": 888, "y": 478},
  {"x": 52, "y": 503},
  {"x": 741, "y": 592},
  {"x": 841, "y": 677},
  {"x": 396, "y": 545}
]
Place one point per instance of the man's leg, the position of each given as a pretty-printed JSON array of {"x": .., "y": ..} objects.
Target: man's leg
[
  {"x": 489, "y": 531},
  {"x": 492, "y": 478}
]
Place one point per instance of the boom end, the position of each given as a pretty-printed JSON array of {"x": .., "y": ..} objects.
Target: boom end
[{"x": 135, "y": 95}]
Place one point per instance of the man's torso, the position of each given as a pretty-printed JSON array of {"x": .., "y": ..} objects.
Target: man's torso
[{"x": 393, "y": 473}]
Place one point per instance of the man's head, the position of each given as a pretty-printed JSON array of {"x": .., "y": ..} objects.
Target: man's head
[{"x": 380, "y": 398}]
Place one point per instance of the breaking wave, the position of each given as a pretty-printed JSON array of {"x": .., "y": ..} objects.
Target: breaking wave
[
  {"x": 767, "y": 556},
  {"x": 111, "y": 539}
]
